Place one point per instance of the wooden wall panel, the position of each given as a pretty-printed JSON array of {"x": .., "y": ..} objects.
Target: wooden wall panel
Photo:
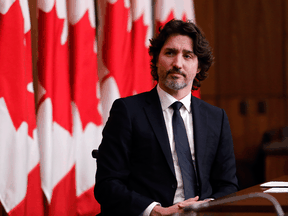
[
  {"x": 228, "y": 59},
  {"x": 248, "y": 129},
  {"x": 249, "y": 65},
  {"x": 285, "y": 47},
  {"x": 249, "y": 43},
  {"x": 276, "y": 165},
  {"x": 276, "y": 112},
  {"x": 269, "y": 47},
  {"x": 237, "y": 124},
  {"x": 204, "y": 10},
  {"x": 250, "y": 47}
]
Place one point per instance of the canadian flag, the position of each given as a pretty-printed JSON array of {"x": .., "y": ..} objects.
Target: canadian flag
[
  {"x": 20, "y": 186},
  {"x": 142, "y": 28},
  {"x": 115, "y": 68},
  {"x": 54, "y": 116},
  {"x": 166, "y": 10},
  {"x": 86, "y": 107},
  {"x": 123, "y": 61}
]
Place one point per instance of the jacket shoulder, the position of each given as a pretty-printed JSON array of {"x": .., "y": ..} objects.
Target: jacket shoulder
[
  {"x": 204, "y": 105},
  {"x": 137, "y": 100}
]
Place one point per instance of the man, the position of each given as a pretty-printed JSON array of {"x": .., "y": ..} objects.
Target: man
[{"x": 143, "y": 158}]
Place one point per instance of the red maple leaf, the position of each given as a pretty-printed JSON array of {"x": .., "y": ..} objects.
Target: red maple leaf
[
  {"x": 16, "y": 69},
  {"x": 161, "y": 24},
  {"x": 84, "y": 71},
  {"x": 53, "y": 68},
  {"x": 116, "y": 48},
  {"x": 140, "y": 57}
]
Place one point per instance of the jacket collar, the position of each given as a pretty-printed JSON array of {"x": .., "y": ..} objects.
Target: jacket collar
[{"x": 155, "y": 116}]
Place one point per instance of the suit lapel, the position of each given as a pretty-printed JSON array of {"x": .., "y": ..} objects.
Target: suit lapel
[
  {"x": 200, "y": 131},
  {"x": 155, "y": 116}
]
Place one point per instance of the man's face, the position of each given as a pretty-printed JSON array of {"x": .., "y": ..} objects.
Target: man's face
[{"x": 177, "y": 64}]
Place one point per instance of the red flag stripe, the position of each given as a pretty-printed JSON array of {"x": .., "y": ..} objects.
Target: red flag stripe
[
  {"x": 54, "y": 115},
  {"x": 87, "y": 120},
  {"x": 19, "y": 151},
  {"x": 141, "y": 33}
]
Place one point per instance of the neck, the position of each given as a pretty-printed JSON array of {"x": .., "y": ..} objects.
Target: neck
[{"x": 177, "y": 94}]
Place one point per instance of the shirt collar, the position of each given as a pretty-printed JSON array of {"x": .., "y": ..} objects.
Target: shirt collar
[{"x": 167, "y": 99}]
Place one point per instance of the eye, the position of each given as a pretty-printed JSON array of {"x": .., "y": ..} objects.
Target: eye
[
  {"x": 169, "y": 53},
  {"x": 187, "y": 56}
]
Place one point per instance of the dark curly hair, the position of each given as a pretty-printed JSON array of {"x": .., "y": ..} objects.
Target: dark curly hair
[{"x": 201, "y": 47}]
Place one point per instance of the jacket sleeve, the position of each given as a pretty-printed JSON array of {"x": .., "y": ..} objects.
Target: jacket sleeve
[
  {"x": 113, "y": 166},
  {"x": 223, "y": 175}
]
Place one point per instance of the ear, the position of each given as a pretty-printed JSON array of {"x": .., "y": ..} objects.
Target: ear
[{"x": 198, "y": 70}]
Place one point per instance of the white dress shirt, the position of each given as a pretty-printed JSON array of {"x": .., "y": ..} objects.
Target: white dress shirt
[{"x": 166, "y": 101}]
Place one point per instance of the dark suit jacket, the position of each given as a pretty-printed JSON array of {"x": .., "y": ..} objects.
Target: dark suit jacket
[{"x": 135, "y": 167}]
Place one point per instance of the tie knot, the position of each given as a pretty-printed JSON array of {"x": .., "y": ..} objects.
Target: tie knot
[{"x": 176, "y": 105}]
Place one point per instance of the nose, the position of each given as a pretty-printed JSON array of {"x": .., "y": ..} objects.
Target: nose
[{"x": 177, "y": 61}]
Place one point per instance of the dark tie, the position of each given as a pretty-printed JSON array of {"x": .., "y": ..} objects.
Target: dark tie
[{"x": 183, "y": 152}]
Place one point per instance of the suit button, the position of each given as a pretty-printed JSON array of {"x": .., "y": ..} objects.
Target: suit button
[{"x": 174, "y": 186}]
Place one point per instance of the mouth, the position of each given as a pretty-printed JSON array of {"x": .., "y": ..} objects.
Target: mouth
[{"x": 175, "y": 73}]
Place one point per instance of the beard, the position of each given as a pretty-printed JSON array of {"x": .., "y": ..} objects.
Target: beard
[{"x": 173, "y": 82}]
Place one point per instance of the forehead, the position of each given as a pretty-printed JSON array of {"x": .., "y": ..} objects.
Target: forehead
[{"x": 179, "y": 42}]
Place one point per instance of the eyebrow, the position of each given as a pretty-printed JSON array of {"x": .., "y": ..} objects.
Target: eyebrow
[{"x": 176, "y": 50}]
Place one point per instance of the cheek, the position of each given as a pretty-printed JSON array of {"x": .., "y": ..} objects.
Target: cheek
[
  {"x": 195, "y": 68},
  {"x": 164, "y": 62},
  {"x": 161, "y": 65},
  {"x": 161, "y": 71},
  {"x": 193, "y": 71}
]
